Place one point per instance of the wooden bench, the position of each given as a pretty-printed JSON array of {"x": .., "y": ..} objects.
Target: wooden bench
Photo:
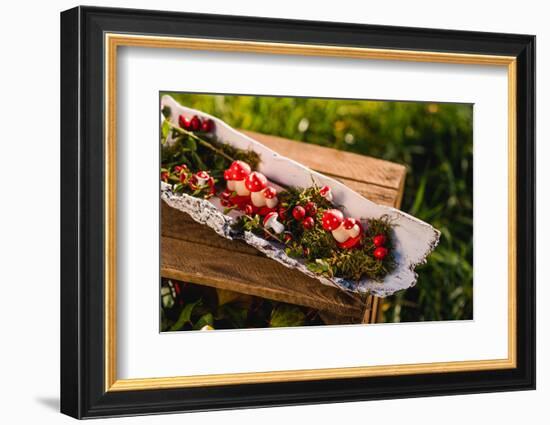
[{"x": 194, "y": 253}]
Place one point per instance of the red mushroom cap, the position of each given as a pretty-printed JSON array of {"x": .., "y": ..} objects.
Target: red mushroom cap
[
  {"x": 350, "y": 222},
  {"x": 351, "y": 242},
  {"x": 203, "y": 175},
  {"x": 270, "y": 216},
  {"x": 270, "y": 192},
  {"x": 239, "y": 170},
  {"x": 324, "y": 190},
  {"x": 332, "y": 219},
  {"x": 248, "y": 209},
  {"x": 256, "y": 182}
]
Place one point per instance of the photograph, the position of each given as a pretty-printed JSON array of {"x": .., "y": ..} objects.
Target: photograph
[
  {"x": 263, "y": 211},
  {"x": 301, "y": 211}
]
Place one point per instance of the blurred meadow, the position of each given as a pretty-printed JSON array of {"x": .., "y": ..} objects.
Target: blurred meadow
[{"x": 434, "y": 142}]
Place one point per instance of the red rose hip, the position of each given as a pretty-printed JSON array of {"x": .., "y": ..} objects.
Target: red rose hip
[
  {"x": 207, "y": 125},
  {"x": 311, "y": 208},
  {"x": 379, "y": 240},
  {"x": 299, "y": 213},
  {"x": 380, "y": 253},
  {"x": 195, "y": 124},
  {"x": 184, "y": 122},
  {"x": 308, "y": 223}
]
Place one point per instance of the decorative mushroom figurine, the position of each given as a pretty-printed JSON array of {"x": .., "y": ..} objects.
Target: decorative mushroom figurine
[
  {"x": 332, "y": 222},
  {"x": 270, "y": 195},
  {"x": 347, "y": 232},
  {"x": 256, "y": 183},
  {"x": 202, "y": 178},
  {"x": 270, "y": 222},
  {"x": 354, "y": 230},
  {"x": 236, "y": 175},
  {"x": 326, "y": 193}
]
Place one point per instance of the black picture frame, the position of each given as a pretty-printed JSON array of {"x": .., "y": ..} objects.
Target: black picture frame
[{"x": 83, "y": 392}]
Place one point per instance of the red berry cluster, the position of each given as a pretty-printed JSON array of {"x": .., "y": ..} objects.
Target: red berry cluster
[
  {"x": 305, "y": 214},
  {"x": 196, "y": 124},
  {"x": 380, "y": 252}
]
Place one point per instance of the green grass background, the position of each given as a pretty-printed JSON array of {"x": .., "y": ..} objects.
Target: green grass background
[{"x": 434, "y": 142}]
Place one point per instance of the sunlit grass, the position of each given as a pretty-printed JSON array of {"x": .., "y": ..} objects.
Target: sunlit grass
[{"x": 434, "y": 142}]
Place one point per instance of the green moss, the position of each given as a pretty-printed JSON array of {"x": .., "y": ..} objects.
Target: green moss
[{"x": 318, "y": 247}]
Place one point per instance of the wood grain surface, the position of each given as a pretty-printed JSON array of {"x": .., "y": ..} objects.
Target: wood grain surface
[{"x": 195, "y": 253}]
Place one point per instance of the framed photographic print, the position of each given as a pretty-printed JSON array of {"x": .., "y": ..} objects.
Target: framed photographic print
[{"x": 261, "y": 212}]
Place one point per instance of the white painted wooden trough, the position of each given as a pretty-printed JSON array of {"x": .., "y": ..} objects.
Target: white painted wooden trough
[{"x": 413, "y": 239}]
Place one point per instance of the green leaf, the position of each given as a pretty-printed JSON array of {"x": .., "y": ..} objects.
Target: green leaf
[
  {"x": 225, "y": 296},
  {"x": 236, "y": 315},
  {"x": 185, "y": 316},
  {"x": 205, "y": 319},
  {"x": 419, "y": 198},
  {"x": 229, "y": 209},
  {"x": 320, "y": 267},
  {"x": 164, "y": 130},
  {"x": 191, "y": 144},
  {"x": 285, "y": 315},
  {"x": 177, "y": 187},
  {"x": 198, "y": 161},
  {"x": 166, "y": 111}
]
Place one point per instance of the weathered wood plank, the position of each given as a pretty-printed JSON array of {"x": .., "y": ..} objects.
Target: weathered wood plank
[
  {"x": 336, "y": 163},
  {"x": 233, "y": 270},
  {"x": 379, "y": 194},
  {"x": 205, "y": 258},
  {"x": 178, "y": 225}
]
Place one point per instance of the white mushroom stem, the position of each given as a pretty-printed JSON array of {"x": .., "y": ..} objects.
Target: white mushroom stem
[
  {"x": 326, "y": 192},
  {"x": 201, "y": 181},
  {"x": 231, "y": 185},
  {"x": 274, "y": 225},
  {"x": 354, "y": 231},
  {"x": 240, "y": 188},
  {"x": 341, "y": 234},
  {"x": 258, "y": 198},
  {"x": 271, "y": 203}
]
